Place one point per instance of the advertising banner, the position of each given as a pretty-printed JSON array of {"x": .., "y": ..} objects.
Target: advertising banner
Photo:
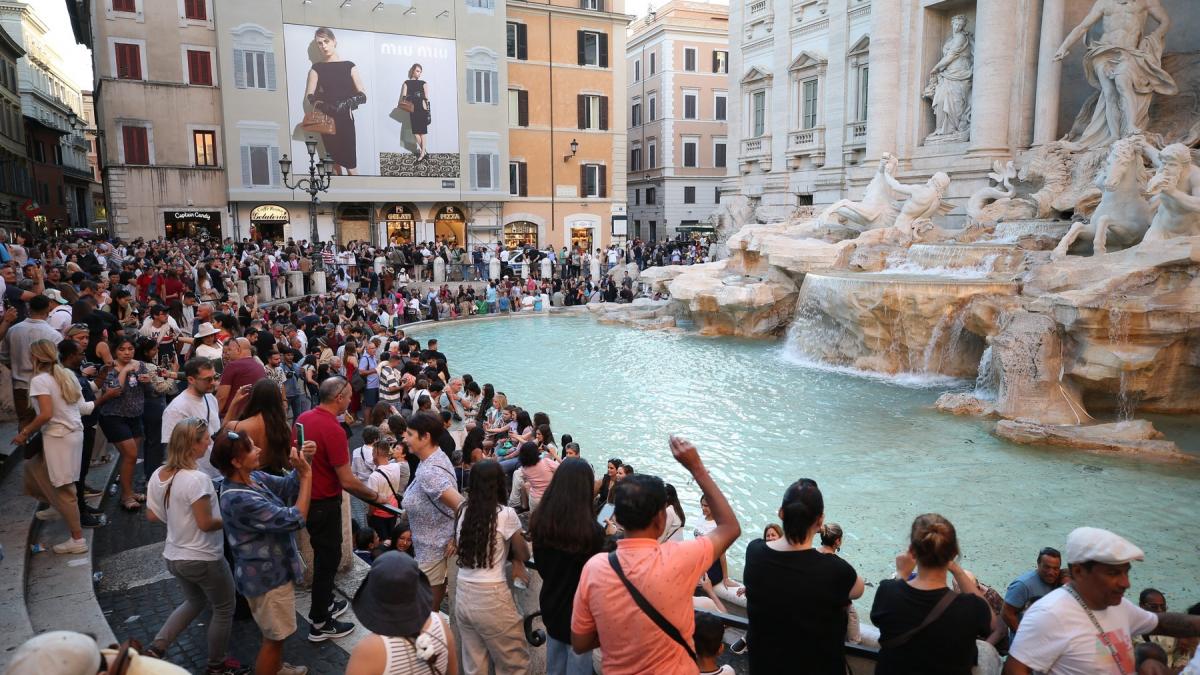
[{"x": 379, "y": 104}]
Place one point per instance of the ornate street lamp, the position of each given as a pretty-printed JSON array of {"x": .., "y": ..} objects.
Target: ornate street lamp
[{"x": 319, "y": 173}]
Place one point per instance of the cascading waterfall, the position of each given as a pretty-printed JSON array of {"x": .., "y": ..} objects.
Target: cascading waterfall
[
  {"x": 1118, "y": 333},
  {"x": 987, "y": 382}
]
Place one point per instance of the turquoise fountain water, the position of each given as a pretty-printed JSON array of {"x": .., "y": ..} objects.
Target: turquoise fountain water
[{"x": 878, "y": 450}]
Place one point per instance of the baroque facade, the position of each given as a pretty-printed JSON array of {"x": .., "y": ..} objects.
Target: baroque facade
[{"x": 822, "y": 89}]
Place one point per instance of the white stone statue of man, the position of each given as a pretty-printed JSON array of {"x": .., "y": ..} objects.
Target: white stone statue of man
[
  {"x": 1177, "y": 189},
  {"x": 923, "y": 203},
  {"x": 1124, "y": 64},
  {"x": 949, "y": 88}
]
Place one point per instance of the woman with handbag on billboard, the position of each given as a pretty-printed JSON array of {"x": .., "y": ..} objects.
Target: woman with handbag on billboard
[
  {"x": 414, "y": 100},
  {"x": 334, "y": 91}
]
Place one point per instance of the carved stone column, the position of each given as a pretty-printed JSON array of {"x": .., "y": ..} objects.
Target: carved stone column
[
  {"x": 1049, "y": 73},
  {"x": 884, "y": 103},
  {"x": 995, "y": 63}
]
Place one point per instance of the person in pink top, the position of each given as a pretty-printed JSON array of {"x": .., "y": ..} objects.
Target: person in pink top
[
  {"x": 532, "y": 479},
  {"x": 605, "y": 615}
]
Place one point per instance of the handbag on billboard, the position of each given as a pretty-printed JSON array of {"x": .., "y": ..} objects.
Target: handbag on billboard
[
  {"x": 319, "y": 123},
  {"x": 406, "y": 105}
]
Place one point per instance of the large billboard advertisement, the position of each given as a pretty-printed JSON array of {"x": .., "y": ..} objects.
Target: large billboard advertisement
[{"x": 380, "y": 104}]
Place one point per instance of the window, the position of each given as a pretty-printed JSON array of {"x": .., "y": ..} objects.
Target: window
[
  {"x": 481, "y": 4},
  {"x": 592, "y": 112},
  {"x": 517, "y": 179},
  {"x": 653, "y": 107},
  {"x": 124, "y": 6},
  {"x": 690, "y": 107},
  {"x": 199, "y": 67},
  {"x": 651, "y": 156},
  {"x": 719, "y": 154},
  {"x": 758, "y": 113},
  {"x": 637, "y": 197},
  {"x": 484, "y": 169},
  {"x": 635, "y": 158},
  {"x": 518, "y": 41},
  {"x": 137, "y": 145},
  {"x": 860, "y": 109},
  {"x": 719, "y": 107},
  {"x": 204, "y": 143},
  {"x": 259, "y": 164},
  {"x": 593, "y": 48},
  {"x": 689, "y": 151},
  {"x": 518, "y": 107},
  {"x": 720, "y": 61},
  {"x": 651, "y": 194},
  {"x": 129, "y": 61},
  {"x": 195, "y": 10},
  {"x": 637, "y": 70},
  {"x": 652, "y": 68},
  {"x": 592, "y": 181},
  {"x": 597, "y": 5},
  {"x": 808, "y": 104},
  {"x": 256, "y": 70},
  {"x": 689, "y": 59},
  {"x": 635, "y": 115},
  {"x": 58, "y": 155},
  {"x": 689, "y": 194},
  {"x": 481, "y": 86},
  {"x": 717, "y": 195}
]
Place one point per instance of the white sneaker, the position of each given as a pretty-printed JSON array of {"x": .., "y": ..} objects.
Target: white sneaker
[
  {"x": 48, "y": 513},
  {"x": 289, "y": 669},
  {"x": 72, "y": 546}
]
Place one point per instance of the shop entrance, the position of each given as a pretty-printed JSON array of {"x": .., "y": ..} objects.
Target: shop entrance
[
  {"x": 267, "y": 222},
  {"x": 450, "y": 225},
  {"x": 400, "y": 224},
  {"x": 520, "y": 233},
  {"x": 581, "y": 237},
  {"x": 355, "y": 223},
  {"x": 192, "y": 224}
]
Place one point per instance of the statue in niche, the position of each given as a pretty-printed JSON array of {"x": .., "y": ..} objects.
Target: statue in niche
[
  {"x": 949, "y": 88},
  {"x": 1125, "y": 65},
  {"x": 1176, "y": 188}
]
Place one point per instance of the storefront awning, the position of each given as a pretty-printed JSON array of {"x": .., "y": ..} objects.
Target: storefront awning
[{"x": 695, "y": 228}]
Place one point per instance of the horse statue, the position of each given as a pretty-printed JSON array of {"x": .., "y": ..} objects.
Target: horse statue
[
  {"x": 1123, "y": 215},
  {"x": 1176, "y": 188},
  {"x": 876, "y": 209}
]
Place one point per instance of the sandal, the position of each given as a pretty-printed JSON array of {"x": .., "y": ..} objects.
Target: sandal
[
  {"x": 140, "y": 497},
  {"x": 131, "y": 505}
]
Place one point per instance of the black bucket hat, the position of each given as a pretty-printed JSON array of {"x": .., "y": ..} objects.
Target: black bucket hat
[{"x": 395, "y": 598}]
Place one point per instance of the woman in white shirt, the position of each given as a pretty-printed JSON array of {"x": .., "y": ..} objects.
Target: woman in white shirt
[
  {"x": 489, "y": 625},
  {"x": 56, "y": 396},
  {"x": 182, "y": 496}
]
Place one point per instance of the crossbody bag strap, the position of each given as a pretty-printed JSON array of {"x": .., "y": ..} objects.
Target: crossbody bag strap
[
  {"x": 648, "y": 609},
  {"x": 1104, "y": 637},
  {"x": 389, "y": 483},
  {"x": 936, "y": 613}
]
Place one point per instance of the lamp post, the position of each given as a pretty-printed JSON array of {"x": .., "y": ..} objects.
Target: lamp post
[{"x": 319, "y": 174}]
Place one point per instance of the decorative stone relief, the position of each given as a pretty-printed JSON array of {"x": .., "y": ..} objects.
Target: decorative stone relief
[
  {"x": 949, "y": 86},
  {"x": 1125, "y": 65}
]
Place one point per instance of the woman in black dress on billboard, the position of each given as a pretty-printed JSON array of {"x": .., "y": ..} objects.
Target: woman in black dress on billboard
[
  {"x": 416, "y": 92},
  {"x": 335, "y": 88}
]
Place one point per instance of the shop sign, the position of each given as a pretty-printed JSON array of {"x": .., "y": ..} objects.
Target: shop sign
[
  {"x": 192, "y": 216},
  {"x": 449, "y": 213},
  {"x": 399, "y": 213},
  {"x": 269, "y": 213}
]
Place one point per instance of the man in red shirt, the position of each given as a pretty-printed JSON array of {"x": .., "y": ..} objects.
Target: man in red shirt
[
  {"x": 330, "y": 475},
  {"x": 240, "y": 370},
  {"x": 605, "y": 615}
]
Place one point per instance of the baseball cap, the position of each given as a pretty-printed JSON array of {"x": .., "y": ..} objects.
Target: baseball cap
[
  {"x": 1092, "y": 544},
  {"x": 62, "y": 652}
]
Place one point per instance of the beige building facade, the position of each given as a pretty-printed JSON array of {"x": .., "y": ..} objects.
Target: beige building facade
[
  {"x": 567, "y": 138},
  {"x": 677, "y": 61}
]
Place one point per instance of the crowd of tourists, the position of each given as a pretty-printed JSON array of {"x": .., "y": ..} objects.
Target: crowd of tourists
[{"x": 241, "y": 418}]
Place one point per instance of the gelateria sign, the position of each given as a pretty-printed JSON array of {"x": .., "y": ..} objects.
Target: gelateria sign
[{"x": 269, "y": 213}]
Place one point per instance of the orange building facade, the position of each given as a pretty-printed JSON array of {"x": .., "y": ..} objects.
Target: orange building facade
[{"x": 567, "y": 132}]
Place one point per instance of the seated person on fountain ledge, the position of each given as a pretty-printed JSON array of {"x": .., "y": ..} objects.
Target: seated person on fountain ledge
[
  {"x": 1062, "y": 634},
  {"x": 1032, "y": 586}
]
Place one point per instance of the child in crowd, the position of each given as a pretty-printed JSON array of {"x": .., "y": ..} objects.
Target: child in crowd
[
  {"x": 388, "y": 481},
  {"x": 362, "y": 461},
  {"x": 365, "y": 544},
  {"x": 709, "y": 645}
]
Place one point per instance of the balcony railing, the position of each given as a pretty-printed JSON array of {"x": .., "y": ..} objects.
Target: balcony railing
[
  {"x": 756, "y": 148},
  {"x": 806, "y": 141},
  {"x": 856, "y": 134},
  {"x": 758, "y": 7}
]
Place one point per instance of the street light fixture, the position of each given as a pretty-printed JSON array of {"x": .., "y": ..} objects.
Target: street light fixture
[
  {"x": 319, "y": 173},
  {"x": 574, "y": 149}
]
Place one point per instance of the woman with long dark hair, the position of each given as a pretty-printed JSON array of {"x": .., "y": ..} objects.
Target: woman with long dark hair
[
  {"x": 604, "y": 486},
  {"x": 788, "y": 573},
  {"x": 154, "y": 403},
  {"x": 485, "y": 403},
  {"x": 489, "y": 625},
  {"x": 264, "y": 420},
  {"x": 121, "y": 403},
  {"x": 335, "y": 88},
  {"x": 565, "y": 535}
]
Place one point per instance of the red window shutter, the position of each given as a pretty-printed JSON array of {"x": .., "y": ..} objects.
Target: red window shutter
[
  {"x": 195, "y": 9},
  {"x": 199, "y": 67},
  {"x": 124, "y": 5},
  {"x": 129, "y": 61},
  {"x": 137, "y": 149}
]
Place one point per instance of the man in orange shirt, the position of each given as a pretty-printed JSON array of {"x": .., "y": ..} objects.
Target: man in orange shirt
[{"x": 605, "y": 614}]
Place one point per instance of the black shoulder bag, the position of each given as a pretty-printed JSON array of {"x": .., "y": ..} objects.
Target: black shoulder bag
[
  {"x": 934, "y": 614},
  {"x": 644, "y": 605}
]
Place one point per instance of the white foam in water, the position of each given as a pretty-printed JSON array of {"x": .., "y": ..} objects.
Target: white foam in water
[
  {"x": 903, "y": 379},
  {"x": 983, "y": 270}
]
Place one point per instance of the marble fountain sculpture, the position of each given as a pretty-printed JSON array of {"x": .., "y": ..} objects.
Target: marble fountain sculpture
[{"x": 1072, "y": 295}]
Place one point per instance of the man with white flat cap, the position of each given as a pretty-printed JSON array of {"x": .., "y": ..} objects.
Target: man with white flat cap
[{"x": 1087, "y": 626}]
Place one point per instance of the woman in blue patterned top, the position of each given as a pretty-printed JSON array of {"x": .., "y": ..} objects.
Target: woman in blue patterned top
[{"x": 261, "y": 513}]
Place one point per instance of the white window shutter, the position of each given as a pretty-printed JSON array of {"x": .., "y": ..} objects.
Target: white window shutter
[
  {"x": 470, "y": 86},
  {"x": 495, "y": 81},
  {"x": 239, "y": 68},
  {"x": 274, "y": 159},
  {"x": 495, "y": 171},
  {"x": 270, "y": 61},
  {"x": 247, "y": 179},
  {"x": 473, "y": 172}
]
